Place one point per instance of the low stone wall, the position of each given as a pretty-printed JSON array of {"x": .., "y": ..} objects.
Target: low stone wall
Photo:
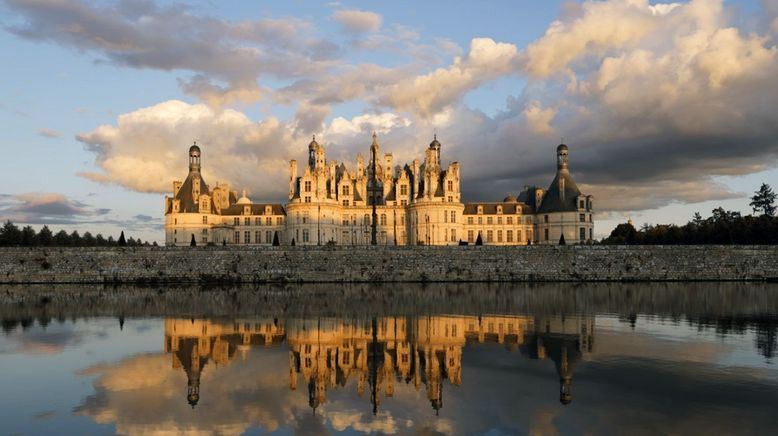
[{"x": 387, "y": 264}]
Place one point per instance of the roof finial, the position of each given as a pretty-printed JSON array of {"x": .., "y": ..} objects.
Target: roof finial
[{"x": 314, "y": 137}]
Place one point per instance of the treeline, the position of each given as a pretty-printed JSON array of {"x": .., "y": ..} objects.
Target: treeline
[
  {"x": 722, "y": 227},
  {"x": 12, "y": 236}
]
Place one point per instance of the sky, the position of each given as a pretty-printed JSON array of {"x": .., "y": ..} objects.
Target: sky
[{"x": 668, "y": 108}]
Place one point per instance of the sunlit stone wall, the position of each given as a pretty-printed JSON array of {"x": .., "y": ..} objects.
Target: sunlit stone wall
[{"x": 386, "y": 264}]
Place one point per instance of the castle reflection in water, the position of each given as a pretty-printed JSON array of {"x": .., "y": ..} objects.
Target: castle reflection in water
[{"x": 377, "y": 353}]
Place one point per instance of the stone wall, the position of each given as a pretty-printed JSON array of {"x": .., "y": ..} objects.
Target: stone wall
[{"x": 386, "y": 264}]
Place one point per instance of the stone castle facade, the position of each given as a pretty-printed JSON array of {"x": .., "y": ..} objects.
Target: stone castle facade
[{"x": 376, "y": 202}]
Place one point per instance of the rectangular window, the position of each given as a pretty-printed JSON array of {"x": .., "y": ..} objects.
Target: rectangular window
[
  {"x": 480, "y": 220},
  {"x": 489, "y": 236},
  {"x": 509, "y": 236},
  {"x": 581, "y": 204},
  {"x": 470, "y": 220},
  {"x": 545, "y": 233},
  {"x": 582, "y": 217},
  {"x": 279, "y": 220},
  {"x": 247, "y": 237},
  {"x": 346, "y": 190},
  {"x": 453, "y": 235},
  {"x": 518, "y": 235},
  {"x": 258, "y": 237},
  {"x": 205, "y": 219},
  {"x": 499, "y": 235},
  {"x": 403, "y": 202},
  {"x": 268, "y": 237},
  {"x": 445, "y": 216},
  {"x": 489, "y": 220},
  {"x": 307, "y": 199},
  {"x": 268, "y": 220},
  {"x": 403, "y": 189},
  {"x": 470, "y": 236},
  {"x": 205, "y": 239},
  {"x": 308, "y": 186},
  {"x": 582, "y": 234},
  {"x": 509, "y": 220},
  {"x": 237, "y": 238},
  {"x": 247, "y": 221},
  {"x": 453, "y": 216},
  {"x": 257, "y": 221},
  {"x": 450, "y": 199},
  {"x": 499, "y": 220},
  {"x": 545, "y": 218},
  {"x": 345, "y": 202},
  {"x": 305, "y": 235},
  {"x": 236, "y": 221},
  {"x": 450, "y": 185},
  {"x": 305, "y": 217}
]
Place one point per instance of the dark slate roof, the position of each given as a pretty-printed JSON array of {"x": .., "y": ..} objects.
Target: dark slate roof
[
  {"x": 558, "y": 200},
  {"x": 491, "y": 208},
  {"x": 188, "y": 202},
  {"x": 256, "y": 209}
]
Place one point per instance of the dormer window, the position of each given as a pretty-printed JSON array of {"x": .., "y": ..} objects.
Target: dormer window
[
  {"x": 480, "y": 210},
  {"x": 346, "y": 190},
  {"x": 499, "y": 209}
]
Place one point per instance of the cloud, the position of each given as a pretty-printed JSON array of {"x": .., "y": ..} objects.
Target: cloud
[
  {"x": 154, "y": 141},
  {"x": 43, "y": 208},
  {"x": 356, "y": 21},
  {"x": 49, "y": 133},
  {"x": 428, "y": 94},
  {"x": 172, "y": 38}
]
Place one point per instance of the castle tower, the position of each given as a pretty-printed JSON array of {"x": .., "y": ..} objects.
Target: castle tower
[{"x": 194, "y": 158}]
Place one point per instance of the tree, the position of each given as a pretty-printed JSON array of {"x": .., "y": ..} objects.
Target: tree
[
  {"x": 28, "y": 236},
  {"x": 697, "y": 219},
  {"x": 88, "y": 239},
  {"x": 100, "y": 240},
  {"x": 61, "y": 239},
  {"x": 478, "y": 240},
  {"x": 193, "y": 243},
  {"x": 292, "y": 242},
  {"x": 122, "y": 242},
  {"x": 276, "y": 242},
  {"x": 45, "y": 237},
  {"x": 562, "y": 240},
  {"x": 764, "y": 200},
  {"x": 75, "y": 239},
  {"x": 10, "y": 235},
  {"x": 623, "y": 234}
]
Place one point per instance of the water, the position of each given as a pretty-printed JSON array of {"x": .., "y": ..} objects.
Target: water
[{"x": 397, "y": 359}]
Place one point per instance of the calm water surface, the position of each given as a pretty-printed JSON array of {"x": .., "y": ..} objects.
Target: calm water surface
[{"x": 436, "y": 359}]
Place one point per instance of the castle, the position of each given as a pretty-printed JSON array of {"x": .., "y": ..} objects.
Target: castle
[{"x": 377, "y": 203}]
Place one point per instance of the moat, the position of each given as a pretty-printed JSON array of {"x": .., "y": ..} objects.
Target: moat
[{"x": 683, "y": 358}]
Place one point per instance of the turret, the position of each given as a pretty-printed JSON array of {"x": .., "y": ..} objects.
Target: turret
[
  {"x": 561, "y": 157},
  {"x": 194, "y": 158}
]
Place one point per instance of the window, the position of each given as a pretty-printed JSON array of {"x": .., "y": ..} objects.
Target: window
[
  {"x": 445, "y": 216},
  {"x": 205, "y": 239},
  {"x": 470, "y": 220},
  {"x": 499, "y": 220},
  {"x": 453, "y": 216},
  {"x": 237, "y": 238},
  {"x": 509, "y": 220},
  {"x": 308, "y": 186},
  {"x": 268, "y": 220},
  {"x": 247, "y": 221},
  {"x": 489, "y": 220},
  {"x": 499, "y": 235},
  {"x": 545, "y": 218},
  {"x": 581, "y": 204},
  {"x": 591, "y": 234},
  {"x": 403, "y": 189},
  {"x": 582, "y": 234},
  {"x": 499, "y": 209},
  {"x": 383, "y": 219},
  {"x": 346, "y": 190},
  {"x": 480, "y": 220},
  {"x": 582, "y": 217},
  {"x": 366, "y": 220},
  {"x": 403, "y": 202},
  {"x": 258, "y": 237},
  {"x": 205, "y": 231},
  {"x": 450, "y": 185},
  {"x": 305, "y": 217},
  {"x": 306, "y": 236},
  {"x": 236, "y": 221},
  {"x": 345, "y": 202},
  {"x": 450, "y": 199},
  {"x": 545, "y": 233},
  {"x": 470, "y": 236},
  {"x": 205, "y": 219},
  {"x": 489, "y": 236},
  {"x": 307, "y": 199},
  {"x": 257, "y": 221},
  {"x": 509, "y": 236},
  {"x": 279, "y": 220},
  {"x": 518, "y": 235},
  {"x": 247, "y": 237},
  {"x": 453, "y": 235},
  {"x": 346, "y": 358}
]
